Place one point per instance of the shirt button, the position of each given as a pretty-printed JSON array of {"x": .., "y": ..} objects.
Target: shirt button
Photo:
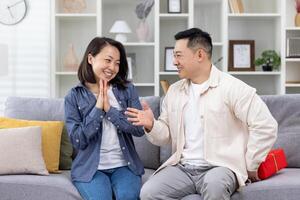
[
  {"x": 201, "y": 116},
  {"x": 108, "y": 118},
  {"x": 123, "y": 148},
  {"x": 77, "y": 140},
  {"x": 128, "y": 163},
  {"x": 101, "y": 116},
  {"x": 120, "y": 102},
  {"x": 97, "y": 128},
  {"x": 79, "y": 107},
  {"x": 118, "y": 126}
]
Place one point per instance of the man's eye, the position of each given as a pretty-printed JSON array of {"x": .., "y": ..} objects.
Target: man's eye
[{"x": 107, "y": 60}]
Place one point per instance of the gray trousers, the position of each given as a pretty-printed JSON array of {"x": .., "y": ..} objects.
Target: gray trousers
[{"x": 176, "y": 182}]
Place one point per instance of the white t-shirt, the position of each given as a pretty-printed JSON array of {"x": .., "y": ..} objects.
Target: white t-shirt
[
  {"x": 111, "y": 155},
  {"x": 193, "y": 149}
]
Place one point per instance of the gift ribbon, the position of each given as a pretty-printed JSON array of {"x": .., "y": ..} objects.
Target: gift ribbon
[{"x": 274, "y": 161}]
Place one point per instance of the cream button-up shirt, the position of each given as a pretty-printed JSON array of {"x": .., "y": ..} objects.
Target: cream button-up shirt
[{"x": 239, "y": 130}]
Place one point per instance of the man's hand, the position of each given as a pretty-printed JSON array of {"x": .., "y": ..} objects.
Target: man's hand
[
  {"x": 143, "y": 117},
  {"x": 253, "y": 176}
]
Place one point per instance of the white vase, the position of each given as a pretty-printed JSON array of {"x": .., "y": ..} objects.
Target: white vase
[
  {"x": 70, "y": 62},
  {"x": 142, "y": 31}
]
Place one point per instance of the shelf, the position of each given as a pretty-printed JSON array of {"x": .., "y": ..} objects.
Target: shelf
[
  {"x": 168, "y": 73},
  {"x": 294, "y": 85},
  {"x": 255, "y": 73},
  {"x": 66, "y": 73},
  {"x": 292, "y": 59},
  {"x": 254, "y": 15},
  {"x": 139, "y": 44},
  {"x": 292, "y": 28},
  {"x": 174, "y": 16},
  {"x": 217, "y": 44},
  {"x": 144, "y": 84},
  {"x": 75, "y": 15}
]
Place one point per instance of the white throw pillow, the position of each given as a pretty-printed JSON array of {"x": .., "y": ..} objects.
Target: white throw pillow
[{"x": 21, "y": 151}]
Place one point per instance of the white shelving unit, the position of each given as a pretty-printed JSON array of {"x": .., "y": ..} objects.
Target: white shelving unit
[{"x": 267, "y": 22}]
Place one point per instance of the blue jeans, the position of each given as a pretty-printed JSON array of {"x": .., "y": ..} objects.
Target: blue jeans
[{"x": 121, "y": 181}]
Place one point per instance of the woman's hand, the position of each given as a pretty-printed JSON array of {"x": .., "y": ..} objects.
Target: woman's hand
[
  {"x": 106, "y": 105},
  {"x": 100, "y": 100}
]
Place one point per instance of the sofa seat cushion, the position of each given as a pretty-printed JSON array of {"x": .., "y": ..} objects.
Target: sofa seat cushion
[
  {"x": 284, "y": 185},
  {"x": 33, "y": 187}
]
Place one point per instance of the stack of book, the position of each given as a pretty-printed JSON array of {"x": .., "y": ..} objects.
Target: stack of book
[{"x": 236, "y": 6}]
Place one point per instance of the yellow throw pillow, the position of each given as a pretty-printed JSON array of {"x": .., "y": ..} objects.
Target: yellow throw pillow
[{"x": 51, "y": 136}]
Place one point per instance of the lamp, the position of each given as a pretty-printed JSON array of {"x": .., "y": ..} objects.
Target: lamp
[
  {"x": 3, "y": 59},
  {"x": 120, "y": 27}
]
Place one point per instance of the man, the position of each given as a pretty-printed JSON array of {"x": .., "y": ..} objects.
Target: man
[{"x": 219, "y": 128}]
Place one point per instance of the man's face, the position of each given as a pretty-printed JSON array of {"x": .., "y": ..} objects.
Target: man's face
[{"x": 186, "y": 60}]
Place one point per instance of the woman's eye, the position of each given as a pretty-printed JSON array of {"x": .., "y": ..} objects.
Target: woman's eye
[{"x": 107, "y": 60}]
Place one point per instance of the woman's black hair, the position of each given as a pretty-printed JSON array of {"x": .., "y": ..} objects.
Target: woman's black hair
[{"x": 85, "y": 71}]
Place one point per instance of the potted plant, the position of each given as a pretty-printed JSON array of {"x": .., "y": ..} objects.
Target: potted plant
[
  {"x": 269, "y": 60},
  {"x": 297, "y": 17}
]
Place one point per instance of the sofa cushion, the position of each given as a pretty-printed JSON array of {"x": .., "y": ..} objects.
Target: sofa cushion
[
  {"x": 21, "y": 151},
  {"x": 51, "y": 137},
  {"x": 286, "y": 110},
  {"x": 48, "y": 110},
  {"x": 284, "y": 185},
  {"x": 149, "y": 153},
  {"x": 30, "y": 187}
]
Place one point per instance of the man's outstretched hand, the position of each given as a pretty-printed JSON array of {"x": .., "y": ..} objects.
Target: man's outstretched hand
[{"x": 143, "y": 117}]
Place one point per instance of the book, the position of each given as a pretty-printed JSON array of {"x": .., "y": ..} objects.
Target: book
[{"x": 165, "y": 85}]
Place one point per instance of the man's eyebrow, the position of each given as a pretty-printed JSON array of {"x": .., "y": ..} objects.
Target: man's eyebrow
[{"x": 176, "y": 52}]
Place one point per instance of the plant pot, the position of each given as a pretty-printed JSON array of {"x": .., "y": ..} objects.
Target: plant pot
[
  {"x": 297, "y": 20},
  {"x": 267, "y": 68}
]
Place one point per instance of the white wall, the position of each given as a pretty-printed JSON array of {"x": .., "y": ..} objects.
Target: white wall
[{"x": 28, "y": 54}]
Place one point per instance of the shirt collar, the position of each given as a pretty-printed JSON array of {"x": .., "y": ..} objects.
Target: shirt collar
[{"x": 213, "y": 80}]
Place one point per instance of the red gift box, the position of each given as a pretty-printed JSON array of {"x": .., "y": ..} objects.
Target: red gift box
[{"x": 274, "y": 162}]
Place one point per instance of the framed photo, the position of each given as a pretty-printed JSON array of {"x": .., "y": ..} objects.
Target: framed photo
[
  {"x": 174, "y": 6},
  {"x": 131, "y": 65},
  {"x": 169, "y": 66},
  {"x": 241, "y": 55}
]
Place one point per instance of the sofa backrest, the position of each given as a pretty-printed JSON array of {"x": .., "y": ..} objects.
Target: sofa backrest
[
  {"x": 46, "y": 109},
  {"x": 286, "y": 111}
]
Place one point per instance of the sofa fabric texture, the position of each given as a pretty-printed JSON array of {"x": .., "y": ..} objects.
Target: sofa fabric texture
[{"x": 283, "y": 185}]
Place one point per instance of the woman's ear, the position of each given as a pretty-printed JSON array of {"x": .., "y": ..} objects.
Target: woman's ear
[{"x": 90, "y": 58}]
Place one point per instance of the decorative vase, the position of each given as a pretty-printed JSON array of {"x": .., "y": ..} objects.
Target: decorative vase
[
  {"x": 70, "y": 61},
  {"x": 297, "y": 20},
  {"x": 142, "y": 31}
]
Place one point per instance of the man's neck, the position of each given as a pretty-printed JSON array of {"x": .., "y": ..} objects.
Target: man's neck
[{"x": 203, "y": 75}]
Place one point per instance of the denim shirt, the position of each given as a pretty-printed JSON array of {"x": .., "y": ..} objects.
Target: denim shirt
[{"x": 84, "y": 124}]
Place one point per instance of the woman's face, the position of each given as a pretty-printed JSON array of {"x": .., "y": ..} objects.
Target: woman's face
[{"x": 106, "y": 63}]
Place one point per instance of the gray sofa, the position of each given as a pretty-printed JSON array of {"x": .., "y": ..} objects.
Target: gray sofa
[{"x": 285, "y": 185}]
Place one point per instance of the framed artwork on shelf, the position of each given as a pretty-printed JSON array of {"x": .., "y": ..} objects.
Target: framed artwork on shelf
[
  {"x": 241, "y": 55},
  {"x": 174, "y": 6},
  {"x": 169, "y": 66},
  {"x": 131, "y": 65}
]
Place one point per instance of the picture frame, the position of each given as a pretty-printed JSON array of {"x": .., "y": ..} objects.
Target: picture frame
[
  {"x": 169, "y": 54},
  {"x": 241, "y": 55},
  {"x": 131, "y": 65},
  {"x": 174, "y": 6}
]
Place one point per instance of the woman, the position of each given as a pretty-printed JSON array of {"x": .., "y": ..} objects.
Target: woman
[{"x": 107, "y": 163}]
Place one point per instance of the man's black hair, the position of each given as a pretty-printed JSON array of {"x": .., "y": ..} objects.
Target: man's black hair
[{"x": 196, "y": 39}]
